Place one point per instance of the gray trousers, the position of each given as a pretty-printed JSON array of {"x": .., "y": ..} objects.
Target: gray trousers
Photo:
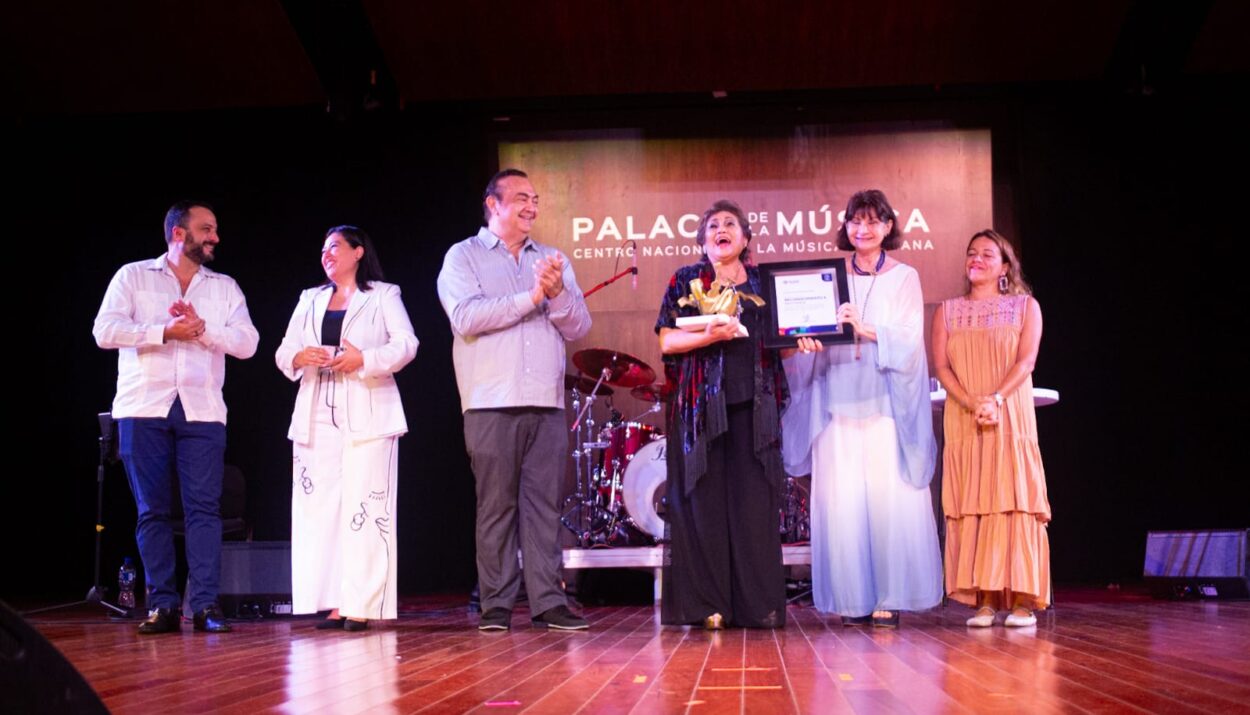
[{"x": 518, "y": 457}]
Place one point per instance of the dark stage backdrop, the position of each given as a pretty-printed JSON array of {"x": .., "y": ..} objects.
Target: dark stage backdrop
[
  {"x": 277, "y": 180},
  {"x": 1114, "y": 198}
]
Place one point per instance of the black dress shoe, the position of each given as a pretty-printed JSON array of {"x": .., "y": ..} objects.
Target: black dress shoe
[
  {"x": 211, "y": 620},
  {"x": 331, "y": 624},
  {"x": 848, "y": 621},
  {"x": 161, "y": 620},
  {"x": 355, "y": 626},
  {"x": 560, "y": 618},
  {"x": 495, "y": 619}
]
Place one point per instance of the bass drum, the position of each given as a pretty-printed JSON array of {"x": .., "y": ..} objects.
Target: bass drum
[{"x": 646, "y": 484}]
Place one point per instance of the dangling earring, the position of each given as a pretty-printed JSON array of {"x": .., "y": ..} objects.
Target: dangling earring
[{"x": 1003, "y": 285}]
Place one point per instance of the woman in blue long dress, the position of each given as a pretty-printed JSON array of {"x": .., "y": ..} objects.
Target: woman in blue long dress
[{"x": 860, "y": 422}]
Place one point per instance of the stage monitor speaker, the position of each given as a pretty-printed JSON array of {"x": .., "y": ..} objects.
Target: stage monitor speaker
[
  {"x": 35, "y": 677},
  {"x": 1198, "y": 564},
  {"x": 256, "y": 578}
]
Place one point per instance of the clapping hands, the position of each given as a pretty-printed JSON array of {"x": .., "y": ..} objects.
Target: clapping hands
[
  {"x": 184, "y": 323},
  {"x": 548, "y": 278}
]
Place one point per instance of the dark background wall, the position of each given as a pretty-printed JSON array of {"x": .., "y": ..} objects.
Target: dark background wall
[{"x": 1124, "y": 196}]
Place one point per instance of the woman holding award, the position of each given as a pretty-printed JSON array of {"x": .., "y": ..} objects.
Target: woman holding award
[
  {"x": 861, "y": 424},
  {"x": 723, "y": 454},
  {"x": 993, "y": 484}
]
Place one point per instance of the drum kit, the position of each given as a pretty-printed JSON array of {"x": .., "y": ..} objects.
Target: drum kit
[
  {"x": 620, "y": 467},
  {"x": 619, "y": 464}
]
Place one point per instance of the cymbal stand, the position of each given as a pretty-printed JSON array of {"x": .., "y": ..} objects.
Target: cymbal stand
[
  {"x": 654, "y": 408},
  {"x": 581, "y": 506},
  {"x": 575, "y": 517},
  {"x": 590, "y": 401}
]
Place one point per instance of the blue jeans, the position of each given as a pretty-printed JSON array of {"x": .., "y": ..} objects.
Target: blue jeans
[{"x": 152, "y": 448}]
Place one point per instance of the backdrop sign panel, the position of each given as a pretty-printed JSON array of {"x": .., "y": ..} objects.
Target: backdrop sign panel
[{"x": 606, "y": 195}]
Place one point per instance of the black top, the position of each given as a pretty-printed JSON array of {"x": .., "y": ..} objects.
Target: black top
[
  {"x": 697, "y": 410},
  {"x": 332, "y": 327},
  {"x": 740, "y": 358}
]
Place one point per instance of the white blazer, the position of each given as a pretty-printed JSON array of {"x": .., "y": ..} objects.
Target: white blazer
[{"x": 376, "y": 323}]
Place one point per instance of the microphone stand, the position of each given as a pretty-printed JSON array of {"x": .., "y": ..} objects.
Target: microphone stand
[
  {"x": 96, "y": 594},
  {"x": 631, "y": 270}
]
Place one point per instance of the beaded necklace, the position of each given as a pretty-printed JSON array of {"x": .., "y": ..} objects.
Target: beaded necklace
[{"x": 863, "y": 310}]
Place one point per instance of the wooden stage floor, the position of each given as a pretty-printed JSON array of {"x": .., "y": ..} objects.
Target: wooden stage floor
[{"x": 1095, "y": 652}]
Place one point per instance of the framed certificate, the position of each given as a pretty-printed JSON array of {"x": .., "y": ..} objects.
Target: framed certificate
[{"x": 803, "y": 299}]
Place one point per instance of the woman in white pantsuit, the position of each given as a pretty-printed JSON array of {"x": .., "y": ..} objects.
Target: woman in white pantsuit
[{"x": 346, "y": 340}]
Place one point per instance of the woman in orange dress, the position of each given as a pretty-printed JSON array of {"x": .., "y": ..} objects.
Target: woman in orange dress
[{"x": 993, "y": 485}]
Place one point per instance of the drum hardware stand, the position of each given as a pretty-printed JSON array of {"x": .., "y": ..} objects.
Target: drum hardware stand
[
  {"x": 654, "y": 408},
  {"x": 590, "y": 401},
  {"x": 582, "y": 513},
  {"x": 796, "y": 527},
  {"x": 796, "y": 524},
  {"x": 802, "y": 590}
]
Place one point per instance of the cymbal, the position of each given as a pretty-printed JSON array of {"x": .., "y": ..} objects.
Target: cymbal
[
  {"x": 624, "y": 370},
  {"x": 584, "y": 385},
  {"x": 652, "y": 393}
]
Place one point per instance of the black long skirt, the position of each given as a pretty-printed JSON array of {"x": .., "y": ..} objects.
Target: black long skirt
[{"x": 725, "y": 551}]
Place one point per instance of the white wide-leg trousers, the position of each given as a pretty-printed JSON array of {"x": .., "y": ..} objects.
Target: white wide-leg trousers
[{"x": 343, "y": 521}]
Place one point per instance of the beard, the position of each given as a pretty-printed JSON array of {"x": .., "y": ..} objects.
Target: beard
[{"x": 195, "y": 251}]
